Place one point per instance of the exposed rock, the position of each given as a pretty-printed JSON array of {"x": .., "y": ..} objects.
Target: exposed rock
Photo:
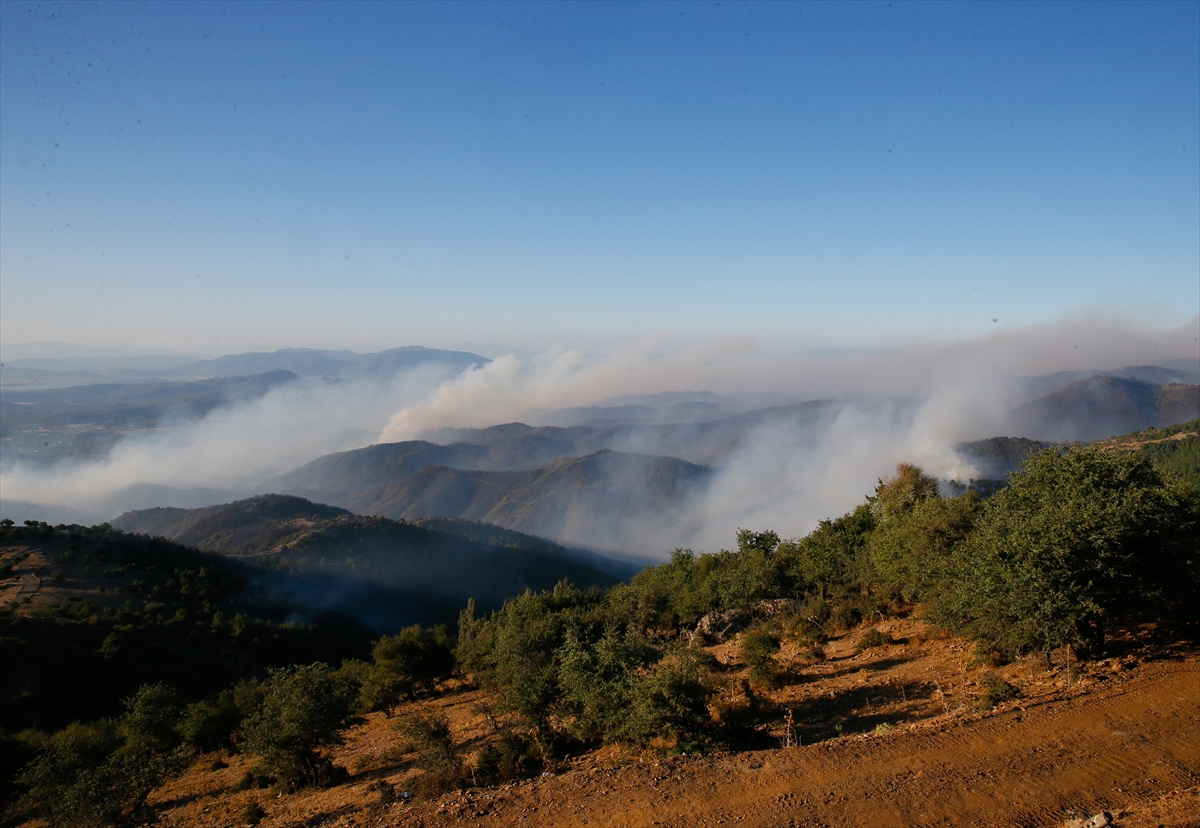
[
  {"x": 1100, "y": 820},
  {"x": 718, "y": 627}
]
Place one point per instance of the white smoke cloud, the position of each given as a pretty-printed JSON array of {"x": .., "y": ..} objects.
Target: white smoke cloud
[
  {"x": 233, "y": 448},
  {"x": 779, "y": 476}
]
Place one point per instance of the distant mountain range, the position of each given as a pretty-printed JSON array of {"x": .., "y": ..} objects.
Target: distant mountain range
[
  {"x": 1102, "y": 406},
  {"x": 1186, "y": 371},
  {"x": 49, "y": 424},
  {"x": 305, "y": 362},
  {"x": 383, "y": 572}
]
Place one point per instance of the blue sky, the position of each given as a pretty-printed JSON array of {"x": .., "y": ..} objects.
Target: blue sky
[{"x": 221, "y": 176}]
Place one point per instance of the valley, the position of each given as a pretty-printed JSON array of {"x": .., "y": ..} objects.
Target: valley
[{"x": 858, "y": 674}]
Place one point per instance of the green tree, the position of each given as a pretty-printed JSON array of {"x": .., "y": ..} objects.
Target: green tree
[
  {"x": 429, "y": 736},
  {"x": 151, "y": 721},
  {"x": 832, "y": 555},
  {"x": 671, "y": 701},
  {"x": 901, "y": 492},
  {"x": 305, "y": 711},
  {"x": 759, "y": 646},
  {"x": 910, "y": 553},
  {"x": 100, "y": 775},
  {"x": 599, "y": 681},
  {"x": 414, "y": 657},
  {"x": 1077, "y": 538},
  {"x": 516, "y": 651}
]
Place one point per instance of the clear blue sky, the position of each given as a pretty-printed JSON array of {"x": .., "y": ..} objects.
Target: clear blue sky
[{"x": 277, "y": 174}]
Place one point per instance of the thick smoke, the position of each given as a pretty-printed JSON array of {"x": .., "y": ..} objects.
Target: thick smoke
[
  {"x": 908, "y": 401},
  {"x": 234, "y": 448}
]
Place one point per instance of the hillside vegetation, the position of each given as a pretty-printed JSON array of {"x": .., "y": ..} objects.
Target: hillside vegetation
[
  {"x": 1081, "y": 541},
  {"x": 384, "y": 573}
]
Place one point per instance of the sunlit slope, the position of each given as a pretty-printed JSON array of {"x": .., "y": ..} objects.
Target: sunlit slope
[{"x": 574, "y": 500}]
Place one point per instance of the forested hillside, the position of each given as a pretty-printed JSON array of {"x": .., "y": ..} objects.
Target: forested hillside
[{"x": 384, "y": 573}]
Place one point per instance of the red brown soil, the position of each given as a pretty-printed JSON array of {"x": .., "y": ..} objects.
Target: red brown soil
[{"x": 1124, "y": 738}]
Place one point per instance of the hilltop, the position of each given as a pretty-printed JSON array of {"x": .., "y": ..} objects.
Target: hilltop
[
  {"x": 1101, "y": 406},
  {"x": 572, "y": 500},
  {"x": 385, "y": 573}
]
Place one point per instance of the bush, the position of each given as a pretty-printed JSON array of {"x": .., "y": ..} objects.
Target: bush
[
  {"x": 831, "y": 555},
  {"x": 209, "y": 724},
  {"x": 870, "y": 639},
  {"x": 514, "y": 756},
  {"x": 845, "y": 617},
  {"x": 253, "y": 814},
  {"x": 759, "y": 646},
  {"x": 304, "y": 711},
  {"x": 429, "y": 736},
  {"x": 151, "y": 720},
  {"x": 516, "y": 651},
  {"x": 414, "y": 657},
  {"x": 99, "y": 775},
  {"x": 381, "y": 689},
  {"x": 671, "y": 702},
  {"x": 910, "y": 552},
  {"x": 598, "y": 682},
  {"x": 995, "y": 691}
]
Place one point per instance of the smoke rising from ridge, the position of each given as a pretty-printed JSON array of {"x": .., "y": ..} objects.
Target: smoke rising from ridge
[{"x": 911, "y": 402}]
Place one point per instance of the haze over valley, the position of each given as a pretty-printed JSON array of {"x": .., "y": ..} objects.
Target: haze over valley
[{"x": 405, "y": 433}]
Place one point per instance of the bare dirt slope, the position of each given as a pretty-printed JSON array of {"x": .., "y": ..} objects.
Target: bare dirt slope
[
  {"x": 1127, "y": 739},
  {"x": 1116, "y": 748}
]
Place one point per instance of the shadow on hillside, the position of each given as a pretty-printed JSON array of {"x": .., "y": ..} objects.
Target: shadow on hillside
[
  {"x": 876, "y": 665},
  {"x": 858, "y": 710}
]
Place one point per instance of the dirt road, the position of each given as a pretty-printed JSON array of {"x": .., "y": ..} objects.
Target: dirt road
[{"x": 1111, "y": 748}]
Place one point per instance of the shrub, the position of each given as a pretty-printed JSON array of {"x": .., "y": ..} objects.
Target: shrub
[
  {"x": 870, "y": 639},
  {"x": 414, "y": 657},
  {"x": 814, "y": 654},
  {"x": 514, "y": 756},
  {"x": 1076, "y": 538},
  {"x": 598, "y": 681},
  {"x": 151, "y": 720},
  {"x": 516, "y": 651},
  {"x": 911, "y": 551},
  {"x": 429, "y": 736},
  {"x": 253, "y": 814},
  {"x": 89, "y": 776},
  {"x": 845, "y": 617},
  {"x": 671, "y": 702},
  {"x": 759, "y": 646},
  {"x": 381, "y": 689},
  {"x": 995, "y": 691},
  {"x": 209, "y": 724},
  {"x": 831, "y": 555},
  {"x": 304, "y": 711}
]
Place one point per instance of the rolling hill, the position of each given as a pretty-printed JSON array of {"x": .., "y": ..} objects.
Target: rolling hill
[
  {"x": 384, "y": 573},
  {"x": 1101, "y": 406},
  {"x": 342, "y": 365},
  {"x": 586, "y": 500}
]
